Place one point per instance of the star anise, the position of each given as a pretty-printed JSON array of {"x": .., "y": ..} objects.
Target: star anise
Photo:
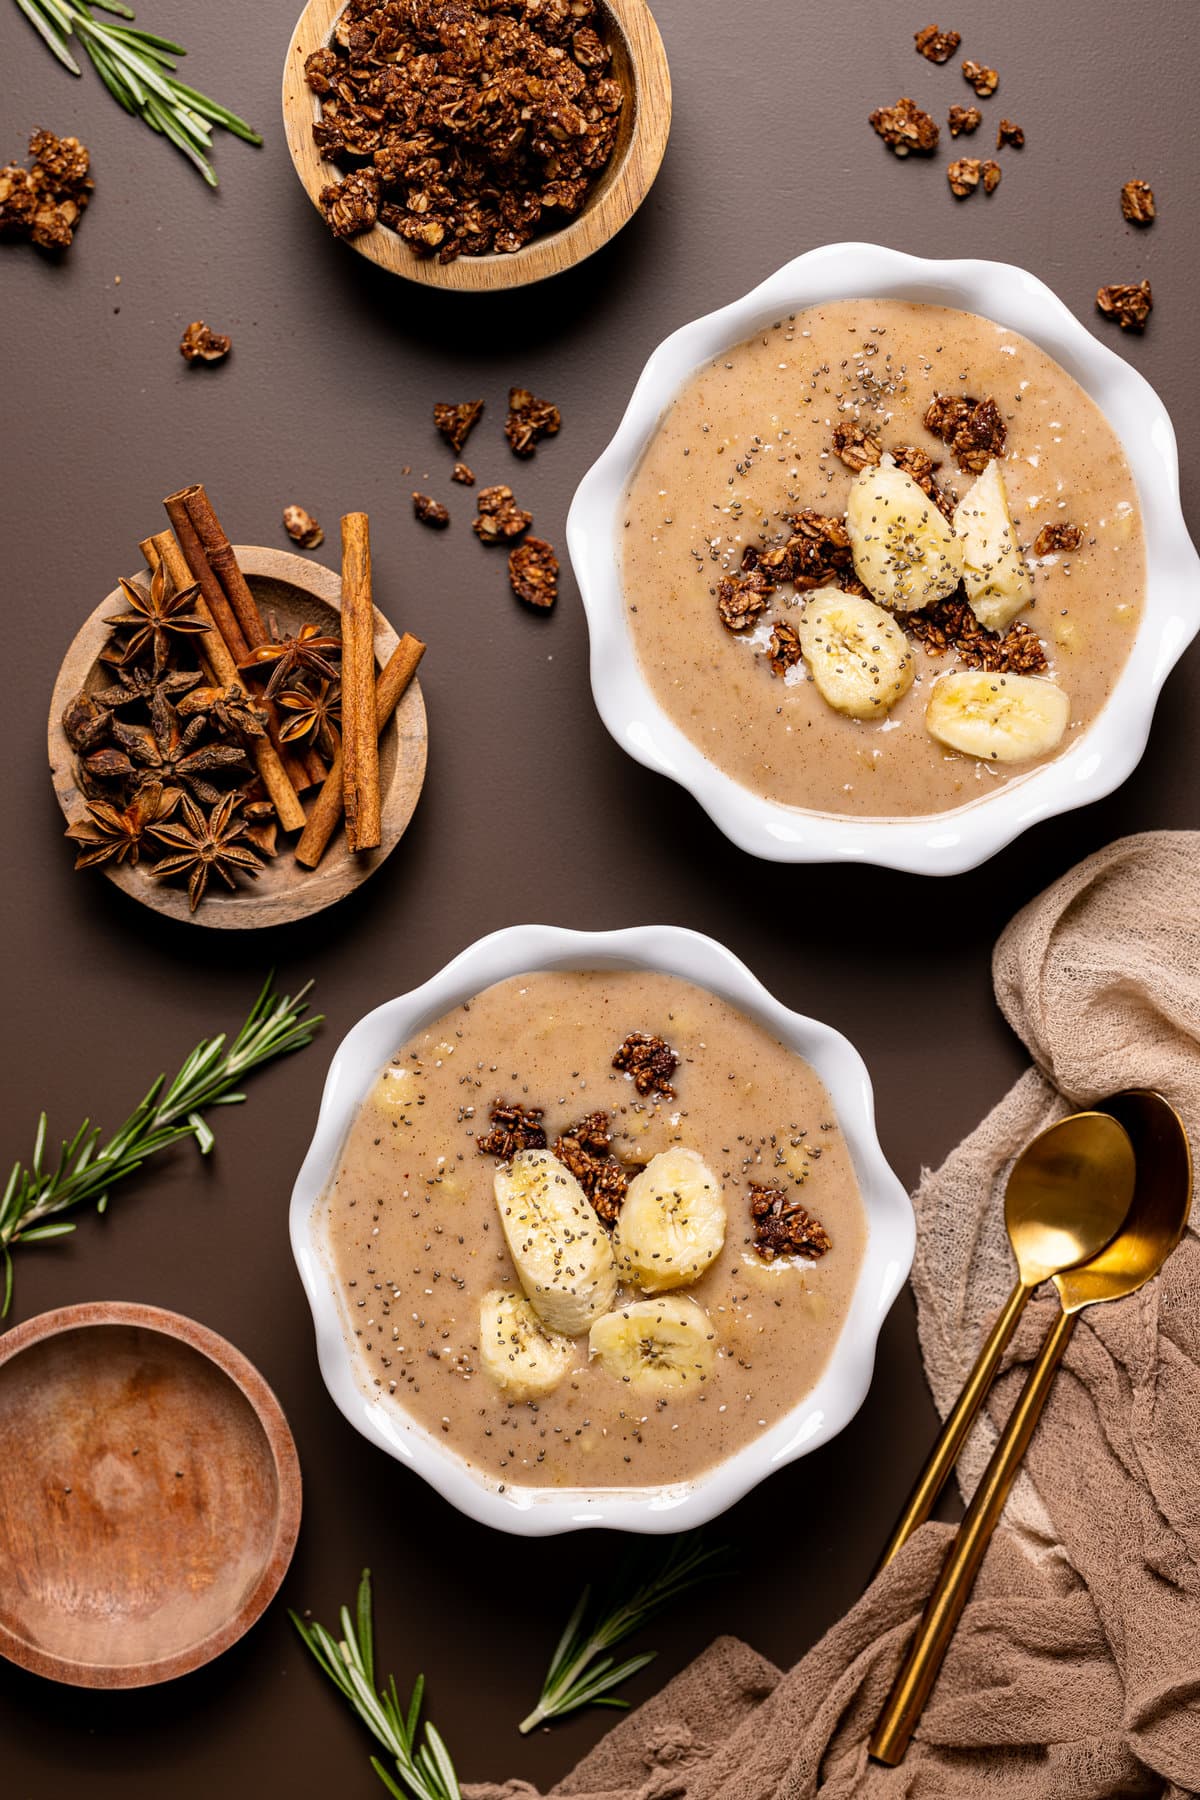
[
  {"x": 157, "y": 616},
  {"x": 289, "y": 659},
  {"x": 135, "y": 684},
  {"x": 200, "y": 847},
  {"x": 117, "y": 833},
  {"x": 171, "y": 756},
  {"x": 230, "y": 709},
  {"x": 84, "y": 721},
  {"x": 316, "y": 716}
]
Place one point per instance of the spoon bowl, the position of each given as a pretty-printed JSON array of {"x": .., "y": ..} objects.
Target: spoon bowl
[
  {"x": 1068, "y": 1193},
  {"x": 1159, "y": 1211}
]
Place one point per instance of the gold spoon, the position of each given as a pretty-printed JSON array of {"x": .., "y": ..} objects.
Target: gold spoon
[
  {"x": 1157, "y": 1217},
  {"x": 1068, "y": 1192}
]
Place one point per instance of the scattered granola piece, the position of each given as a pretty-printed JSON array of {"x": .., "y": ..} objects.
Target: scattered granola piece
[
  {"x": 973, "y": 429},
  {"x": 905, "y": 127},
  {"x": 936, "y": 45},
  {"x": 302, "y": 527},
  {"x": 818, "y": 550},
  {"x": 922, "y": 469},
  {"x": 650, "y": 1061},
  {"x": 500, "y": 518},
  {"x": 991, "y": 176},
  {"x": 529, "y": 419},
  {"x": 199, "y": 344},
  {"x": 1137, "y": 202},
  {"x": 950, "y": 624},
  {"x": 985, "y": 81},
  {"x": 585, "y": 1149},
  {"x": 431, "y": 512},
  {"x": 1009, "y": 133},
  {"x": 857, "y": 445},
  {"x": 533, "y": 573},
  {"x": 963, "y": 175},
  {"x": 460, "y": 472},
  {"x": 742, "y": 597},
  {"x": 457, "y": 422},
  {"x": 514, "y": 1127},
  {"x": 43, "y": 204},
  {"x": 1128, "y": 302},
  {"x": 964, "y": 118},
  {"x": 782, "y": 1227},
  {"x": 783, "y": 650},
  {"x": 352, "y": 204},
  {"x": 1057, "y": 537}
]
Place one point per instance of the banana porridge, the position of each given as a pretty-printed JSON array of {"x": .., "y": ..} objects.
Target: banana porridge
[
  {"x": 598, "y": 1228},
  {"x": 882, "y": 557}
]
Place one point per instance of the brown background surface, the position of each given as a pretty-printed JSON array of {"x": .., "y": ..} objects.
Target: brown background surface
[{"x": 530, "y": 811}]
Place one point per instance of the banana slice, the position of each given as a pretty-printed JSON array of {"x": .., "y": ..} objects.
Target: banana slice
[
  {"x": 516, "y": 1351},
  {"x": 994, "y": 574},
  {"x": 904, "y": 551},
  {"x": 999, "y": 718},
  {"x": 672, "y": 1222},
  {"x": 859, "y": 657},
  {"x": 656, "y": 1346},
  {"x": 561, "y": 1252}
]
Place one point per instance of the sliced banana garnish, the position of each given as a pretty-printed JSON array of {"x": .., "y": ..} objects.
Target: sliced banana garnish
[
  {"x": 999, "y": 718},
  {"x": 994, "y": 574},
  {"x": 860, "y": 659},
  {"x": 672, "y": 1221},
  {"x": 516, "y": 1350},
  {"x": 560, "y": 1251},
  {"x": 904, "y": 551},
  {"x": 656, "y": 1346}
]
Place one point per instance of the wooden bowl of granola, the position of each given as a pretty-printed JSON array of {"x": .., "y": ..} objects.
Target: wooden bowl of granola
[
  {"x": 633, "y": 57},
  {"x": 294, "y": 592}
]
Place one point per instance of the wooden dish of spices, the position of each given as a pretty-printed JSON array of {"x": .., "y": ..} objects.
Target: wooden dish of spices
[
  {"x": 149, "y": 1495},
  {"x": 295, "y": 592},
  {"x": 637, "y": 61}
]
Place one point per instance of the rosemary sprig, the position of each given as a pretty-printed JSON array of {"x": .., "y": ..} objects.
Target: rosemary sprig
[
  {"x": 137, "y": 67},
  {"x": 87, "y": 1170},
  {"x": 424, "y": 1768},
  {"x": 575, "y": 1678}
]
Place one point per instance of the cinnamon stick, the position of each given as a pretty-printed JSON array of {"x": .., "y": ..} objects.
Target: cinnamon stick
[
  {"x": 360, "y": 734},
  {"x": 326, "y": 810},
  {"x": 217, "y": 656}
]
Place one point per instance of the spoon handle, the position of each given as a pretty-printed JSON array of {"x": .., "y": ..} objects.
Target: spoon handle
[
  {"x": 945, "y": 1452},
  {"x": 912, "y": 1686}
]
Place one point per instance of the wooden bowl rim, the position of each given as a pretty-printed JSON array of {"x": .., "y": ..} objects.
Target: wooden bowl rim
[
  {"x": 270, "y": 1415},
  {"x": 556, "y": 251},
  {"x": 327, "y": 883}
]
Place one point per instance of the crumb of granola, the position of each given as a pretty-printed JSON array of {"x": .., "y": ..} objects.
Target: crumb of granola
[
  {"x": 963, "y": 175},
  {"x": 500, "y": 518},
  {"x": 1057, "y": 537},
  {"x": 43, "y": 204},
  {"x": 783, "y": 649},
  {"x": 302, "y": 527},
  {"x": 742, "y": 597},
  {"x": 457, "y": 421},
  {"x": 973, "y": 429},
  {"x": 585, "y": 1149},
  {"x": 431, "y": 512},
  {"x": 991, "y": 176},
  {"x": 529, "y": 419},
  {"x": 905, "y": 127},
  {"x": 460, "y": 472},
  {"x": 922, "y": 469},
  {"x": 351, "y": 205},
  {"x": 985, "y": 81},
  {"x": 514, "y": 1127},
  {"x": 1128, "y": 302},
  {"x": 650, "y": 1061},
  {"x": 950, "y": 625},
  {"x": 199, "y": 344},
  {"x": 818, "y": 550},
  {"x": 936, "y": 45},
  {"x": 857, "y": 445},
  {"x": 964, "y": 118},
  {"x": 1137, "y": 202},
  {"x": 533, "y": 573},
  {"x": 1010, "y": 133},
  {"x": 782, "y": 1227}
]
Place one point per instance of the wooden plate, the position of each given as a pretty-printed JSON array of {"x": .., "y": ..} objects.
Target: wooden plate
[
  {"x": 297, "y": 592},
  {"x": 639, "y": 63},
  {"x": 149, "y": 1495}
]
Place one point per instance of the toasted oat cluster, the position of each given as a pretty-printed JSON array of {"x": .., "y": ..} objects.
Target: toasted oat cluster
[
  {"x": 586, "y": 1150},
  {"x": 533, "y": 573},
  {"x": 430, "y": 512},
  {"x": 905, "y": 127},
  {"x": 1128, "y": 302},
  {"x": 467, "y": 125},
  {"x": 1057, "y": 537},
  {"x": 985, "y": 81},
  {"x": 782, "y": 1227},
  {"x": 964, "y": 118},
  {"x": 857, "y": 445},
  {"x": 936, "y": 45},
  {"x": 950, "y": 625},
  {"x": 973, "y": 429},
  {"x": 650, "y": 1061},
  {"x": 1137, "y": 203},
  {"x": 514, "y": 1127},
  {"x": 44, "y": 203}
]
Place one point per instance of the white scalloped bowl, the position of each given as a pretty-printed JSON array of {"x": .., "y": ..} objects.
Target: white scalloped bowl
[
  {"x": 942, "y": 843},
  {"x": 830, "y": 1405}
]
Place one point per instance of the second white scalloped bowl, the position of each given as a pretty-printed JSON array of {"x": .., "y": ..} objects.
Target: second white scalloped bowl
[
  {"x": 823, "y": 1412},
  {"x": 942, "y": 843}
]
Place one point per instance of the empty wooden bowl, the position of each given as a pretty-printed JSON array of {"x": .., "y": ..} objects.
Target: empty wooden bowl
[
  {"x": 639, "y": 63},
  {"x": 297, "y": 592},
  {"x": 149, "y": 1495}
]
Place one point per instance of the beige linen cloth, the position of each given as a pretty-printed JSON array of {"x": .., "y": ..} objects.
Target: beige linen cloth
[{"x": 1075, "y": 1672}]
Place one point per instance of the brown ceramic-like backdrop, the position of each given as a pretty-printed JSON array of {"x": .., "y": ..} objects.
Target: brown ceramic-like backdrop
[{"x": 326, "y": 401}]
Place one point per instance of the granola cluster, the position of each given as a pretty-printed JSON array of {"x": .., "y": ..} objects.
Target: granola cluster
[
  {"x": 43, "y": 204},
  {"x": 782, "y": 1227},
  {"x": 302, "y": 528},
  {"x": 966, "y": 174},
  {"x": 456, "y": 421},
  {"x": 586, "y": 1150},
  {"x": 500, "y": 518},
  {"x": 972, "y": 429},
  {"x": 650, "y": 1061},
  {"x": 1137, "y": 203},
  {"x": 431, "y": 512},
  {"x": 1052, "y": 538},
  {"x": 200, "y": 343},
  {"x": 533, "y": 573},
  {"x": 936, "y": 45},
  {"x": 985, "y": 81},
  {"x": 469, "y": 125},
  {"x": 514, "y": 1127},
  {"x": 964, "y": 118},
  {"x": 950, "y": 625},
  {"x": 857, "y": 445},
  {"x": 528, "y": 420},
  {"x": 904, "y": 127},
  {"x": 1128, "y": 302}
]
